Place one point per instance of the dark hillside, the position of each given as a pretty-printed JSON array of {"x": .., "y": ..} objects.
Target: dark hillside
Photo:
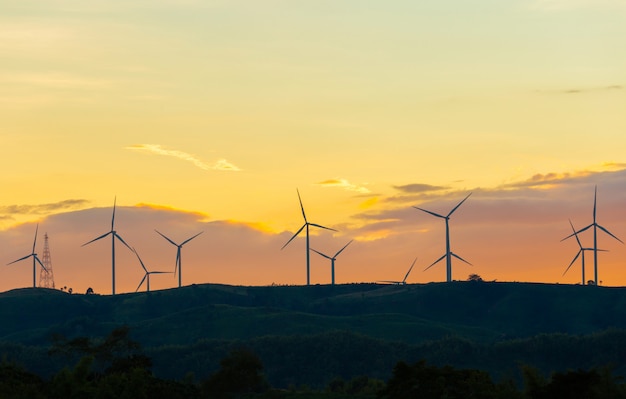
[
  {"x": 485, "y": 312},
  {"x": 346, "y": 330}
]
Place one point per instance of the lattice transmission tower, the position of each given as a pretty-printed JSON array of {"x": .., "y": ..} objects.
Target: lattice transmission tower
[{"x": 46, "y": 278}]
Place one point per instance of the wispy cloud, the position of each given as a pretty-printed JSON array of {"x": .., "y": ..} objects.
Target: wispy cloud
[
  {"x": 418, "y": 188},
  {"x": 583, "y": 90},
  {"x": 220, "y": 164},
  {"x": 43, "y": 209},
  {"x": 345, "y": 184}
]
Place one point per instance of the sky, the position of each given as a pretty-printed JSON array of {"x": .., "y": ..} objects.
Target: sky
[{"x": 208, "y": 115}]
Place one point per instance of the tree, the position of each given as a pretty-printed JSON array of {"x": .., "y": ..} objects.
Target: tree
[
  {"x": 474, "y": 277},
  {"x": 429, "y": 382},
  {"x": 116, "y": 353},
  {"x": 240, "y": 372}
]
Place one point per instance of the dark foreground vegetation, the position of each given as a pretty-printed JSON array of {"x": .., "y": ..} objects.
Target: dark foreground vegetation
[
  {"x": 116, "y": 367},
  {"x": 516, "y": 339}
]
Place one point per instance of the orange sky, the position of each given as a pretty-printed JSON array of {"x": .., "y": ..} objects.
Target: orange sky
[
  {"x": 214, "y": 112},
  {"x": 510, "y": 233}
]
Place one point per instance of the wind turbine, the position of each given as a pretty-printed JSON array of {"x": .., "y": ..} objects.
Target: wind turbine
[
  {"x": 306, "y": 225},
  {"x": 332, "y": 260},
  {"x": 595, "y": 226},
  {"x": 114, "y": 235},
  {"x": 581, "y": 253},
  {"x": 449, "y": 254},
  {"x": 403, "y": 282},
  {"x": 35, "y": 259},
  {"x": 146, "y": 276},
  {"x": 179, "y": 263}
]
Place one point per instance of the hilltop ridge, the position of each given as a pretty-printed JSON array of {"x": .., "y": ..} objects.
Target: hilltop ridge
[{"x": 481, "y": 311}]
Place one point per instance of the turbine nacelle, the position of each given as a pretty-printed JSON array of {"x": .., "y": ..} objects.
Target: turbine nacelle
[
  {"x": 448, "y": 255},
  {"x": 35, "y": 259},
  {"x": 403, "y": 282},
  {"x": 305, "y": 225},
  {"x": 114, "y": 235},
  {"x": 178, "y": 265}
]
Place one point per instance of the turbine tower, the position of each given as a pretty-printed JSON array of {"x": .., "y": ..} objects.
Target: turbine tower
[
  {"x": 146, "y": 277},
  {"x": 35, "y": 259},
  {"x": 595, "y": 226},
  {"x": 46, "y": 276},
  {"x": 449, "y": 254},
  {"x": 332, "y": 260},
  {"x": 581, "y": 253},
  {"x": 179, "y": 262},
  {"x": 403, "y": 282},
  {"x": 306, "y": 225},
  {"x": 114, "y": 235}
]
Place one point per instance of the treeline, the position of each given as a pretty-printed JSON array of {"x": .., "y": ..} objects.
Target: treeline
[
  {"x": 116, "y": 367},
  {"x": 323, "y": 357}
]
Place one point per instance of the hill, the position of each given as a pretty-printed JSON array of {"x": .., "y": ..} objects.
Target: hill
[{"x": 476, "y": 322}]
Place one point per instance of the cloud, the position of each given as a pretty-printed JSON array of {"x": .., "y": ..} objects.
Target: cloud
[
  {"x": 44, "y": 209},
  {"x": 157, "y": 149},
  {"x": 418, "y": 188},
  {"x": 583, "y": 90},
  {"x": 345, "y": 184},
  {"x": 548, "y": 179}
]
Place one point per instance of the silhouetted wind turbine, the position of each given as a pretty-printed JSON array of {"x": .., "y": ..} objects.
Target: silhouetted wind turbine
[
  {"x": 332, "y": 260},
  {"x": 146, "y": 276},
  {"x": 449, "y": 254},
  {"x": 35, "y": 259},
  {"x": 595, "y": 226},
  {"x": 403, "y": 282},
  {"x": 306, "y": 224},
  {"x": 114, "y": 235},
  {"x": 581, "y": 253},
  {"x": 179, "y": 262}
]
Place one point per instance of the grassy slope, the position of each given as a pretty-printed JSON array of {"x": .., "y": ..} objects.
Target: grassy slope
[
  {"x": 484, "y": 312},
  {"x": 346, "y": 330}
]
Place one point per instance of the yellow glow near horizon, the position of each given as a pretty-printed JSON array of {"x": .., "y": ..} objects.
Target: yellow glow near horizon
[{"x": 161, "y": 103}]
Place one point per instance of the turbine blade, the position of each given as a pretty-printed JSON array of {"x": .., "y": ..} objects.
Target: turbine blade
[
  {"x": 301, "y": 206},
  {"x": 321, "y": 227},
  {"x": 432, "y": 213},
  {"x": 459, "y": 258},
  {"x": 164, "y": 236},
  {"x": 22, "y": 258},
  {"x": 39, "y": 261},
  {"x": 142, "y": 280},
  {"x": 390, "y": 282},
  {"x": 410, "y": 268},
  {"x": 177, "y": 260},
  {"x": 318, "y": 252},
  {"x": 294, "y": 236},
  {"x": 573, "y": 260},
  {"x": 595, "y": 197},
  {"x": 609, "y": 233},
  {"x": 35, "y": 240},
  {"x": 97, "y": 238},
  {"x": 122, "y": 240},
  {"x": 435, "y": 262},
  {"x": 140, "y": 261},
  {"x": 159, "y": 272},
  {"x": 456, "y": 207},
  {"x": 577, "y": 232},
  {"x": 189, "y": 239},
  {"x": 113, "y": 218},
  {"x": 341, "y": 250}
]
